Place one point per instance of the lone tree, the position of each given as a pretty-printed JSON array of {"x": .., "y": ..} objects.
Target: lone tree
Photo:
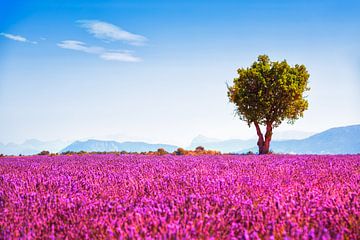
[{"x": 268, "y": 93}]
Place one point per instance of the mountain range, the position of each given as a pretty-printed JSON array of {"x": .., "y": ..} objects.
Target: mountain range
[
  {"x": 226, "y": 146},
  {"x": 93, "y": 145},
  {"x": 32, "y": 146},
  {"x": 340, "y": 140}
]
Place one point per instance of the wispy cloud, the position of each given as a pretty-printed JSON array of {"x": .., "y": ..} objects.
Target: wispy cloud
[
  {"x": 119, "y": 56},
  {"x": 111, "y": 32},
  {"x": 80, "y": 46},
  {"x": 17, "y": 38},
  {"x": 110, "y": 55}
]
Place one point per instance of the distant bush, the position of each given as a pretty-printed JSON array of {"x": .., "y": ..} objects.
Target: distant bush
[
  {"x": 212, "y": 152},
  {"x": 180, "y": 151},
  {"x": 68, "y": 153},
  {"x": 199, "y": 149},
  {"x": 44, "y": 153},
  {"x": 161, "y": 151}
]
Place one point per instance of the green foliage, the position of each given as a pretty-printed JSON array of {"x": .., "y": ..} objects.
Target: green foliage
[
  {"x": 270, "y": 92},
  {"x": 267, "y": 93}
]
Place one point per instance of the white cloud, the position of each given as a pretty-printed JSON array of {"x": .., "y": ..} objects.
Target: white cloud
[
  {"x": 110, "y": 55},
  {"x": 111, "y": 32},
  {"x": 80, "y": 46},
  {"x": 119, "y": 56},
  {"x": 16, "y": 38}
]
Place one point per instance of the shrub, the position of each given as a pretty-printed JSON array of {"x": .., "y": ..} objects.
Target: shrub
[
  {"x": 68, "y": 153},
  {"x": 161, "y": 151},
  {"x": 199, "y": 149},
  {"x": 180, "y": 151},
  {"x": 44, "y": 153}
]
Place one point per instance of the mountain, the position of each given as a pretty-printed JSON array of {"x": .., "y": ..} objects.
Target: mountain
[
  {"x": 226, "y": 146},
  {"x": 32, "y": 146},
  {"x": 340, "y": 140},
  {"x": 199, "y": 140},
  {"x": 291, "y": 135},
  {"x": 234, "y": 145},
  {"x": 93, "y": 145}
]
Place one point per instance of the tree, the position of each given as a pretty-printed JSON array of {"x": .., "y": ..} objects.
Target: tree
[{"x": 267, "y": 93}]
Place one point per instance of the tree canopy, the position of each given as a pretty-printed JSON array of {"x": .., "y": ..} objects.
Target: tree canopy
[{"x": 267, "y": 93}]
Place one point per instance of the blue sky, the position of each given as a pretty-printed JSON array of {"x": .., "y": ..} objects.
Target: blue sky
[{"x": 157, "y": 70}]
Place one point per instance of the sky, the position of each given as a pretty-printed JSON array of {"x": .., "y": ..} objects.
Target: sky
[{"x": 157, "y": 70}]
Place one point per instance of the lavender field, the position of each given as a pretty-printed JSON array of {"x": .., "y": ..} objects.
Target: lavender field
[{"x": 180, "y": 197}]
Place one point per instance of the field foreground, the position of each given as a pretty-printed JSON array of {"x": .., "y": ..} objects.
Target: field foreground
[{"x": 136, "y": 196}]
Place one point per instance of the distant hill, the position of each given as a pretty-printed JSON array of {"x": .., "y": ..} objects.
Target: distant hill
[
  {"x": 109, "y": 146},
  {"x": 32, "y": 146},
  {"x": 201, "y": 140},
  {"x": 340, "y": 140},
  {"x": 290, "y": 135},
  {"x": 231, "y": 145}
]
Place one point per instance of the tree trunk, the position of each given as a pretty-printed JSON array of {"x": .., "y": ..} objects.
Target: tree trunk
[
  {"x": 264, "y": 143},
  {"x": 268, "y": 136},
  {"x": 260, "y": 141}
]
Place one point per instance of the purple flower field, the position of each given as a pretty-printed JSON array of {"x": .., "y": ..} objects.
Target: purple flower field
[{"x": 180, "y": 197}]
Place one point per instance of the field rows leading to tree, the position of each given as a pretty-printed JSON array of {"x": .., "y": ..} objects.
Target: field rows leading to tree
[{"x": 137, "y": 196}]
